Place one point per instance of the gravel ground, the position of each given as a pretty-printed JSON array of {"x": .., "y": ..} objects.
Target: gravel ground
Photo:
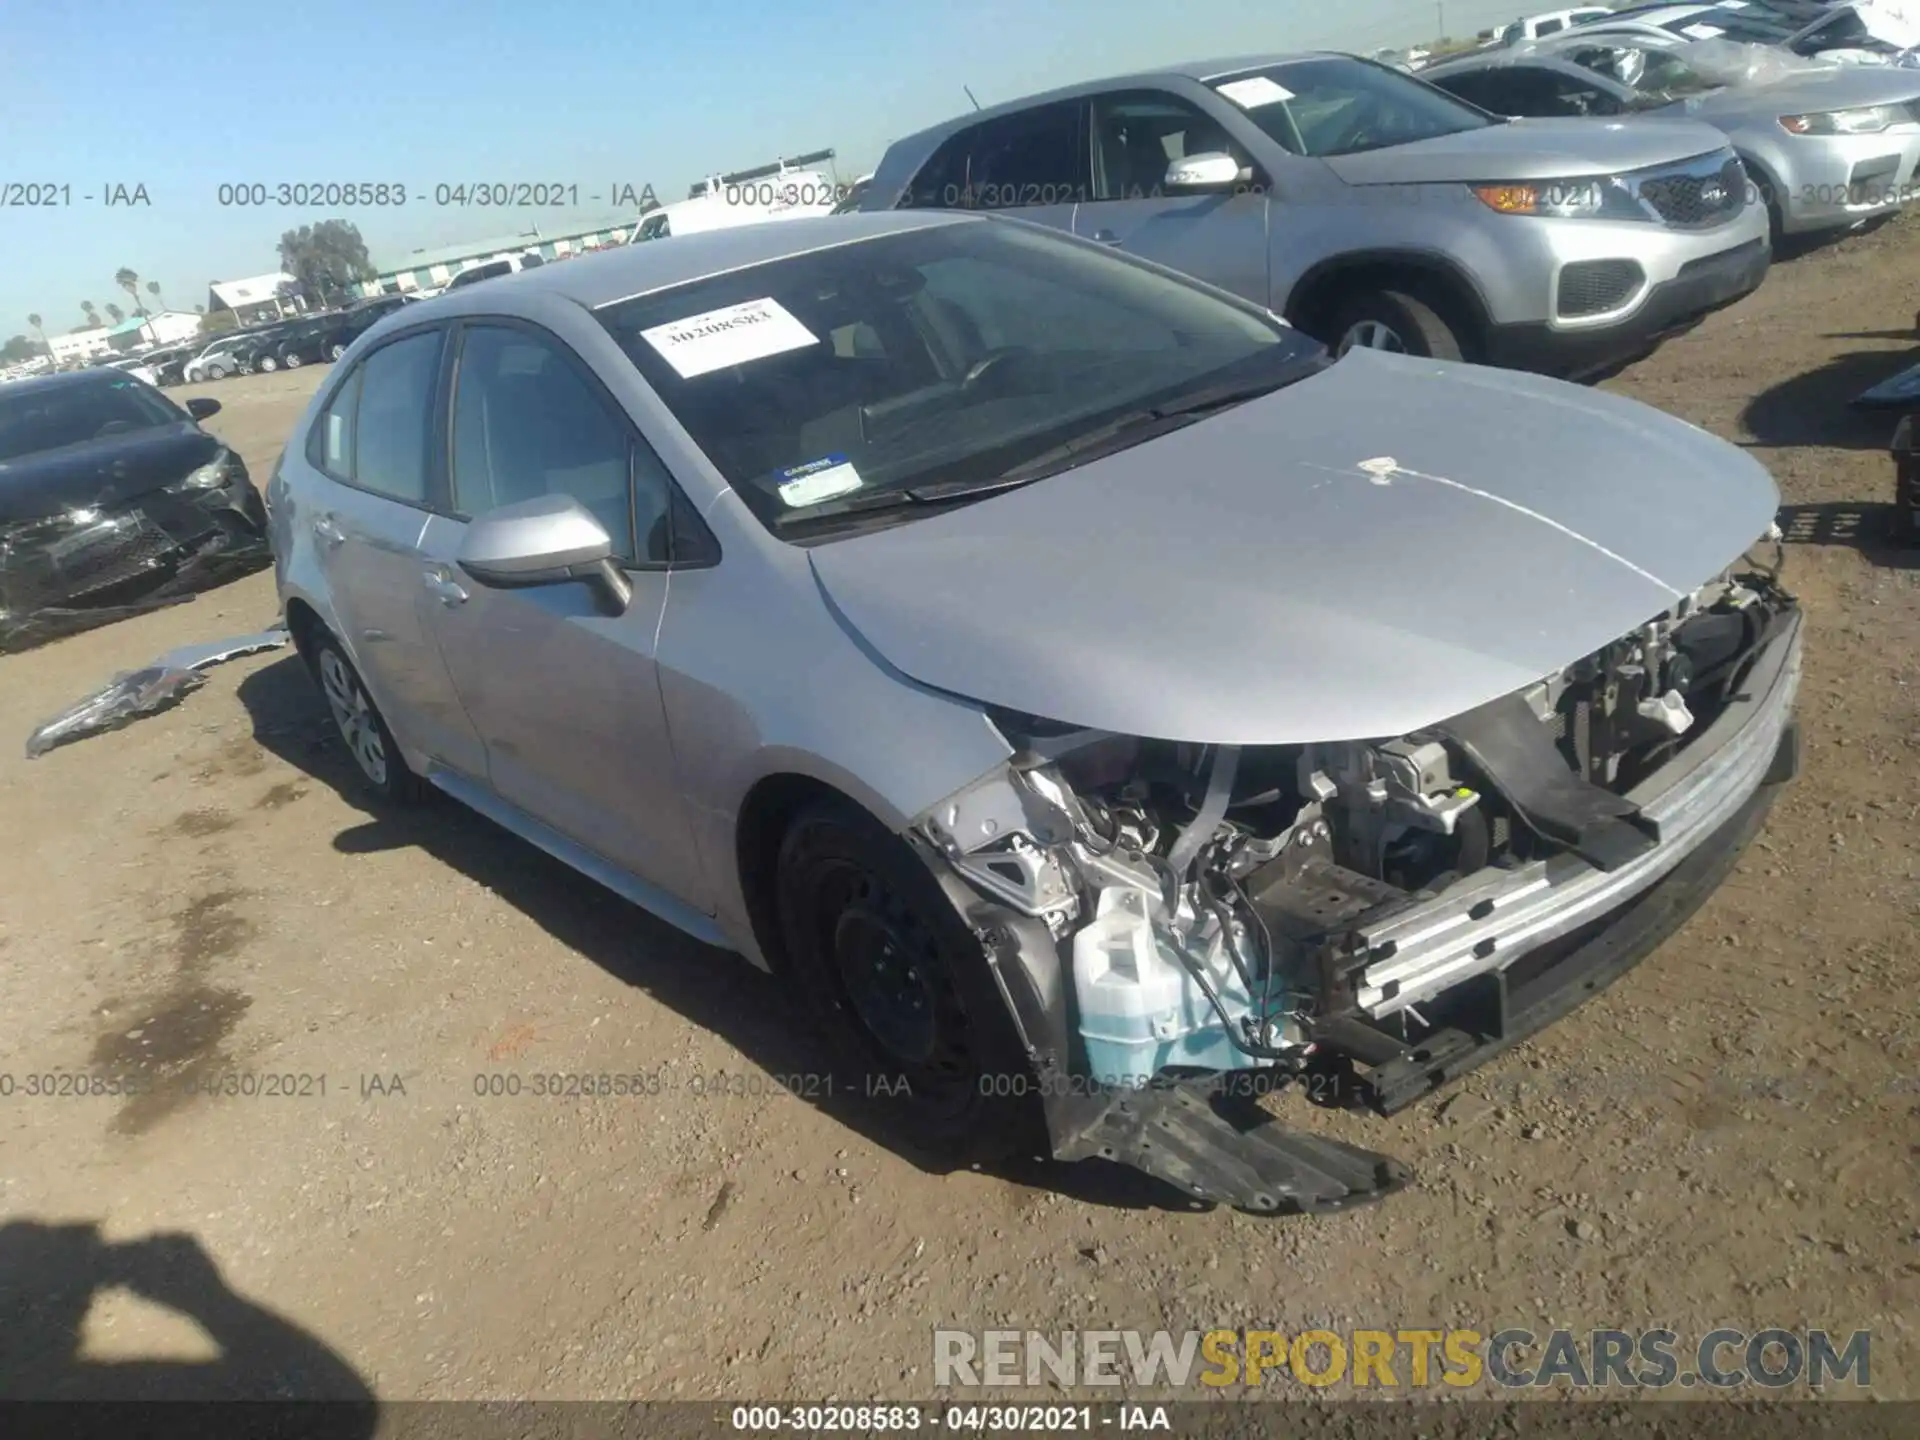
[{"x": 1726, "y": 1138}]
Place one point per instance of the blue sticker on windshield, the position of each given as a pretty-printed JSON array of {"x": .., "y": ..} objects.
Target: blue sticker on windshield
[{"x": 816, "y": 480}]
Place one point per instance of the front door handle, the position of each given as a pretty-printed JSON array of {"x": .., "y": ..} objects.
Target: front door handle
[
  {"x": 1106, "y": 237},
  {"x": 444, "y": 588},
  {"x": 328, "y": 532}
]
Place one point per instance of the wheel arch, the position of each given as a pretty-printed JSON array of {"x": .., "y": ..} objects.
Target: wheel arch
[
  {"x": 1436, "y": 279},
  {"x": 760, "y": 825},
  {"x": 305, "y": 625}
]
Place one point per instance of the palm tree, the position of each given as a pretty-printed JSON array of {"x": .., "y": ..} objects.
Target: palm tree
[
  {"x": 115, "y": 313},
  {"x": 153, "y": 289},
  {"x": 129, "y": 282},
  {"x": 86, "y": 307},
  {"x": 40, "y": 330}
]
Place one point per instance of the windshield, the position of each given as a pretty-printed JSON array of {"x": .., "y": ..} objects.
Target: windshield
[
  {"x": 947, "y": 356},
  {"x": 1656, "y": 76},
  {"x": 1340, "y": 105},
  {"x": 58, "y": 416}
]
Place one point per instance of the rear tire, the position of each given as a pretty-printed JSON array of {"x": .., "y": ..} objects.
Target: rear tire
[
  {"x": 361, "y": 727},
  {"x": 335, "y": 351},
  {"x": 1394, "y": 321},
  {"x": 294, "y": 362},
  {"x": 266, "y": 365},
  {"x": 902, "y": 991}
]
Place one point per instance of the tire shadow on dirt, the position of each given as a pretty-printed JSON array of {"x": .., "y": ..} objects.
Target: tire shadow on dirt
[
  {"x": 713, "y": 989},
  {"x": 1870, "y": 527},
  {"x": 50, "y": 1277},
  {"x": 1816, "y": 408}
]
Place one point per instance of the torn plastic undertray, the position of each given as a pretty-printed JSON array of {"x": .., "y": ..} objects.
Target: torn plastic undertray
[
  {"x": 69, "y": 577},
  {"x": 146, "y": 691}
]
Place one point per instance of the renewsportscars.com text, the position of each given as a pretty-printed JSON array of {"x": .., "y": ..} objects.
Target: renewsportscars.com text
[{"x": 1509, "y": 1359}]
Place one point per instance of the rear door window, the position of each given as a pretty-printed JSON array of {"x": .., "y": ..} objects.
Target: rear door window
[
  {"x": 1030, "y": 158},
  {"x": 384, "y": 419}
]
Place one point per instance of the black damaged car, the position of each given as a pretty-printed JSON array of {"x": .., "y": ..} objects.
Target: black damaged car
[{"x": 113, "y": 500}]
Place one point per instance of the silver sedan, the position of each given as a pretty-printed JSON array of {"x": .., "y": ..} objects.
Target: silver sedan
[{"x": 1088, "y": 694}]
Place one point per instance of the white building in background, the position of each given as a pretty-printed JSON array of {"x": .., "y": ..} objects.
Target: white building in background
[
  {"x": 81, "y": 345},
  {"x": 256, "y": 298},
  {"x": 169, "y": 327}
]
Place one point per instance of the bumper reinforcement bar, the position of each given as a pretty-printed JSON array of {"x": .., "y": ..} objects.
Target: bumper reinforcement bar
[{"x": 1493, "y": 1012}]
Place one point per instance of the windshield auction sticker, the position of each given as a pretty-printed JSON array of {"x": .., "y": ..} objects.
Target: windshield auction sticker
[
  {"x": 817, "y": 480},
  {"x": 719, "y": 338},
  {"x": 1254, "y": 91}
]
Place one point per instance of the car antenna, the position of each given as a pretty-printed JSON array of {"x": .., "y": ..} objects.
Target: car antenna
[{"x": 968, "y": 89}]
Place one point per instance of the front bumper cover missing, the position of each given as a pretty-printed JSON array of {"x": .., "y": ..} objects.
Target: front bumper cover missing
[{"x": 1209, "y": 1138}]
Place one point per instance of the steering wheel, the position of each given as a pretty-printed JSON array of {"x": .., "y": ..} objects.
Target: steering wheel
[
  {"x": 993, "y": 363},
  {"x": 1356, "y": 136}
]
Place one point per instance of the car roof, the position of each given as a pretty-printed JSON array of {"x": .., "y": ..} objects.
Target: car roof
[
  {"x": 1554, "y": 59},
  {"x": 612, "y": 275}
]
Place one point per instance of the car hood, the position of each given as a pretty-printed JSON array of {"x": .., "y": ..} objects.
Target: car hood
[
  {"x": 1833, "y": 87},
  {"x": 1380, "y": 547},
  {"x": 1531, "y": 150},
  {"x": 102, "y": 473}
]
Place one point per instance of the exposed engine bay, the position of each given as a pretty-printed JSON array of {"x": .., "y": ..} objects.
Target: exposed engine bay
[{"x": 1209, "y": 902}]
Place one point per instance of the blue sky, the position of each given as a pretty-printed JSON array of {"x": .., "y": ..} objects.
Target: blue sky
[{"x": 182, "y": 96}]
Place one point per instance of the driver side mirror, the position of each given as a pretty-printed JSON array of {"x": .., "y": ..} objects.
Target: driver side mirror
[
  {"x": 1210, "y": 170},
  {"x": 549, "y": 540},
  {"x": 202, "y": 406}
]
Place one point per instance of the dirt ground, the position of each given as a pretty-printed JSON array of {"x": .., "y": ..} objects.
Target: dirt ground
[{"x": 1726, "y": 1138}]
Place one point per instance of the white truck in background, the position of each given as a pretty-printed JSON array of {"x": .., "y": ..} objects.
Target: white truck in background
[{"x": 785, "y": 190}]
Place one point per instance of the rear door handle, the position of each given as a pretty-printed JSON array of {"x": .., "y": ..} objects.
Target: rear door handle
[
  {"x": 328, "y": 531},
  {"x": 1106, "y": 237},
  {"x": 444, "y": 588}
]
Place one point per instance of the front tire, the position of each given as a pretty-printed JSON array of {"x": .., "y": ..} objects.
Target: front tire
[
  {"x": 294, "y": 362},
  {"x": 361, "y": 727},
  {"x": 335, "y": 351},
  {"x": 1396, "y": 322},
  {"x": 901, "y": 989},
  {"x": 266, "y": 365}
]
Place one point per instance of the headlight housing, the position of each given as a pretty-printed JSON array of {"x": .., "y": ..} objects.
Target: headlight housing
[
  {"x": 210, "y": 476},
  {"x": 1592, "y": 197},
  {"x": 1864, "y": 120}
]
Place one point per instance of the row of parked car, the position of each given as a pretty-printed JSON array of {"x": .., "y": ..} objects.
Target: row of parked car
[
  {"x": 288, "y": 344},
  {"x": 1561, "y": 206}
]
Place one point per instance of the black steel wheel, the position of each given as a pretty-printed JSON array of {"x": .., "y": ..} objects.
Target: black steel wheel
[{"x": 901, "y": 988}]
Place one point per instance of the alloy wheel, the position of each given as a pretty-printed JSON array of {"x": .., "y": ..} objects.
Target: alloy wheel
[
  {"x": 353, "y": 714},
  {"x": 1371, "y": 335}
]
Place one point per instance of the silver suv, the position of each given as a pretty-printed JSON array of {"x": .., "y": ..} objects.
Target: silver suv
[{"x": 1369, "y": 208}]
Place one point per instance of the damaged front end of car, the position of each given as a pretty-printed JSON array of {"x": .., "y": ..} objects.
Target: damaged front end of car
[
  {"x": 88, "y": 565},
  {"x": 1180, "y": 928}
]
